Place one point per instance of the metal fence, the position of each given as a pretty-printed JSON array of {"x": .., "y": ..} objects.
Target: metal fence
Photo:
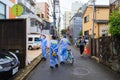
[{"x": 107, "y": 49}]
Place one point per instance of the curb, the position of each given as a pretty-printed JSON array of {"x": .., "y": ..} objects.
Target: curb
[
  {"x": 23, "y": 73},
  {"x": 95, "y": 58}
]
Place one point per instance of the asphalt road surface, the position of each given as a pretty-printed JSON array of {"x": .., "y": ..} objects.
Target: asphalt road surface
[{"x": 84, "y": 68}]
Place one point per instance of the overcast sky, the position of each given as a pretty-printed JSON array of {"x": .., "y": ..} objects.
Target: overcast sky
[{"x": 65, "y": 5}]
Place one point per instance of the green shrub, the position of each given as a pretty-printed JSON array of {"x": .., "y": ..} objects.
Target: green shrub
[{"x": 114, "y": 28}]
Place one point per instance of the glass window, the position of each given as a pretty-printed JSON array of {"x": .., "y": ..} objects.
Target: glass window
[
  {"x": 86, "y": 19},
  {"x": 30, "y": 39},
  {"x": 2, "y": 16},
  {"x": 32, "y": 23},
  {"x": 36, "y": 39},
  {"x": 2, "y": 10}
]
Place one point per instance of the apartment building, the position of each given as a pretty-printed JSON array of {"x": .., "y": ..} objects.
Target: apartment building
[
  {"x": 5, "y": 9},
  {"x": 42, "y": 9},
  {"x": 66, "y": 17},
  {"x": 76, "y": 25},
  {"x": 28, "y": 5},
  {"x": 101, "y": 19},
  {"x": 29, "y": 12}
]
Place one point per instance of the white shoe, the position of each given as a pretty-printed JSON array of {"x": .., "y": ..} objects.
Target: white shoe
[{"x": 81, "y": 55}]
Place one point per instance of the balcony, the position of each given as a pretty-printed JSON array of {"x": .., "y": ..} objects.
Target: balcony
[
  {"x": 32, "y": 2},
  {"x": 28, "y": 6}
]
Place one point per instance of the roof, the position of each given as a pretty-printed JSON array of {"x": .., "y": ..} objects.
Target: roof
[
  {"x": 96, "y": 6},
  {"x": 76, "y": 15}
]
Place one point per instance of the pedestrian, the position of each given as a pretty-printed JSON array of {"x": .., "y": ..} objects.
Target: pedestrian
[
  {"x": 44, "y": 46},
  {"x": 64, "y": 42},
  {"x": 82, "y": 44},
  {"x": 53, "y": 53}
]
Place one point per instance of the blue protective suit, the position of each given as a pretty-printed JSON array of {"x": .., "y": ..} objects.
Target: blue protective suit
[
  {"x": 53, "y": 47},
  {"x": 43, "y": 45},
  {"x": 63, "y": 49}
]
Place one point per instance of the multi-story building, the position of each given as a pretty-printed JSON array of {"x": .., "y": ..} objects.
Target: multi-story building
[
  {"x": 101, "y": 19},
  {"x": 75, "y": 6},
  {"x": 76, "y": 25},
  {"x": 114, "y": 5},
  {"x": 66, "y": 18},
  {"x": 28, "y": 6},
  {"x": 29, "y": 13},
  {"x": 5, "y": 9},
  {"x": 42, "y": 10}
]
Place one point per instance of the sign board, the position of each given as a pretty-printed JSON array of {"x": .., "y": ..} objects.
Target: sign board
[{"x": 17, "y": 10}]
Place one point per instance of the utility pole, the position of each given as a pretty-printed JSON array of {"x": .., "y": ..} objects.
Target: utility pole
[
  {"x": 54, "y": 17},
  {"x": 59, "y": 22},
  {"x": 93, "y": 18},
  {"x": 93, "y": 15},
  {"x": 56, "y": 10}
]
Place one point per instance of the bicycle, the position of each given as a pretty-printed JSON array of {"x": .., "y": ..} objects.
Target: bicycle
[{"x": 69, "y": 57}]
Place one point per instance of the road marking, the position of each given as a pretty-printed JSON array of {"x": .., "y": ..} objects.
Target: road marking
[{"x": 81, "y": 71}]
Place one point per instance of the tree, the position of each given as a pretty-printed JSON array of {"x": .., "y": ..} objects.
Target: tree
[
  {"x": 63, "y": 31},
  {"x": 114, "y": 28},
  {"x": 80, "y": 33}
]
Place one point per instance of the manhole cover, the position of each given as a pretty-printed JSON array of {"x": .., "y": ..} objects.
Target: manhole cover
[{"x": 82, "y": 71}]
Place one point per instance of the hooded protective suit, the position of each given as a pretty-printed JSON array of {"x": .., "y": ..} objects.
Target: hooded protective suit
[
  {"x": 64, "y": 42},
  {"x": 53, "y": 48},
  {"x": 43, "y": 45}
]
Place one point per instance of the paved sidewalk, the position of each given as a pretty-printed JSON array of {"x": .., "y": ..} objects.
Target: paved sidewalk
[{"x": 32, "y": 54}]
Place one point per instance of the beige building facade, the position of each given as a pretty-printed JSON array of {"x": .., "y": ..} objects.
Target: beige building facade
[
  {"x": 101, "y": 19},
  {"x": 42, "y": 10}
]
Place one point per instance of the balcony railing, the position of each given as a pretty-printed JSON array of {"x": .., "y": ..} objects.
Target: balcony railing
[{"x": 27, "y": 5}]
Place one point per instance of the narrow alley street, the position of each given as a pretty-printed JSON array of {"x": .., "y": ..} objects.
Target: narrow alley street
[{"x": 84, "y": 68}]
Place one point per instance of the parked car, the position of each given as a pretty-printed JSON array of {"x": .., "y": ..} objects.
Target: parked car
[
  {"x": 9, "y": 65},
  {"x": 33, "y": 42}
]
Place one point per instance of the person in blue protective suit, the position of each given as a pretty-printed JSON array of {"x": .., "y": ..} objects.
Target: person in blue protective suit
[
  {"x": 64, "y": 42},
  {"x": 53, "y": 53},
  {"x": 44, "y": 46}
]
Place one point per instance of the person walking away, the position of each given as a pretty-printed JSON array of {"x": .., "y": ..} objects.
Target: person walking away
[
  {"x": 44, "y": 46},
  {"x": 53, "y": 53},
  {"x": 64, "y": 42},
  {"x": 82, "y": 44}
]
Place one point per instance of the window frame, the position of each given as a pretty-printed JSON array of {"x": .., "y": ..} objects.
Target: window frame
[
  {"x": 30, "y": 39},
  {"x": 4, "y": 10},
  {"x": 86, "y": 19}
]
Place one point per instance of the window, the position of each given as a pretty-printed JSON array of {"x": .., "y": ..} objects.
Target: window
[
  {"x": 32, "y": 23},
  {"x": 86, "y": 19},
  {"x": 42, "y": 15},
  {"x": 30, "y": 39},
  {"x": 2, "y": 11},
  {"x": 36, "y": 39}
]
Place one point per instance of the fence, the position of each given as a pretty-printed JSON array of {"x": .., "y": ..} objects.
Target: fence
[{"x": 107, "y": 49}]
